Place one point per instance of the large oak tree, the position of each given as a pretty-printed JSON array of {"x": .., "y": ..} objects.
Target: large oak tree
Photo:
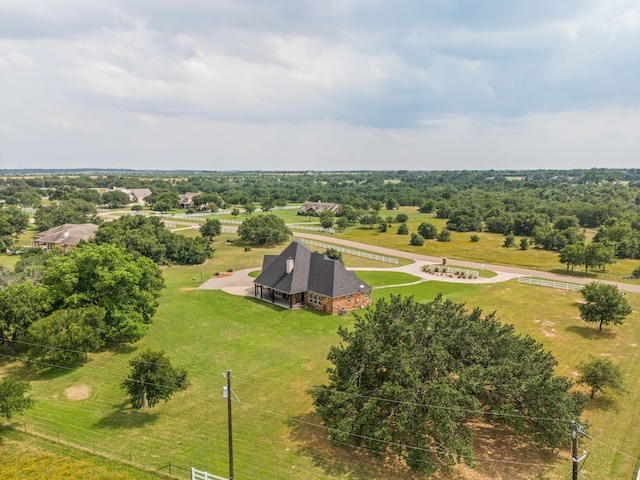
[
  {"x": 124, "y": 285},
  {"x": 409, "y": 378}
]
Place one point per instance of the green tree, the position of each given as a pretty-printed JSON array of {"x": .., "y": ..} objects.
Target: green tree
[
  {"x": 115, "y": 199},
  {"x": 69, "y": 211},
  {"x": 327, "y": 218},
  {"x": 249, "y": 207},
  {"x": 427, "y": 230},
  {"x": 15, "y": 218},
  {"x": 13, "y": 398},
  {"x": 392, "y": 204},
  {"x": 600, "y": 374},
  {"x": 603, "y": 304},
  {"x": 370, "y": 220},
  {"x": 21, "y": 304},
  {"x": 524, "y": 244},
  {"x": 65, "y": 336},
  {"x": 573, "y": 255},
  {"x": 598, "y": 254},
  {"x": 509, "y": 240},
  {"x": 163, "y": 201},
  {"x": 264, "y": 230},
  {"x": 267, "y": 205},
  {"x": 402, "y": 218},
  {"x": 403, "y": 229},
  {"x": 409, "y": 373},
  {"x": 211, "y": 228},
  {"x": 152, "y": 378},
  {"x": 235, "y": 212},
  {"x": 124, "y": 285},
  {"x": 342, "y": 223},
  {"x": 416, "y": 240},
  {"x": 444, "y": 236},
  {"x": 334, "y": 254}
]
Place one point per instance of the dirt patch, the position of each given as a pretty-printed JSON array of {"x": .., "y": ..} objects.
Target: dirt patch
[
  {"x": 185, "y": 289},
  {"x": 547, "y": 333},
  {"x": 78, "y": 392}
]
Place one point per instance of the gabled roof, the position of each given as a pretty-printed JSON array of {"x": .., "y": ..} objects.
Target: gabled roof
[
  {"x": 67, "y": 234},
  {"x": 140, "y": 193},
  {"x": 312, "y": 271},
  {"x": 319, "y": 207}
]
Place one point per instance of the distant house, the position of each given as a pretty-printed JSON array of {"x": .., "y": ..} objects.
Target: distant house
[
  {"x": 186, "y": 199},
  {"x": 135, "y": 194},
  {"x": 307, "y": 278},
  {"x": 65, "y": 236},
  {"x": 316, "y": 208}
]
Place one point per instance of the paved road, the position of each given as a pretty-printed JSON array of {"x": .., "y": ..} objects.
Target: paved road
[{"x": 504, "y": 272}]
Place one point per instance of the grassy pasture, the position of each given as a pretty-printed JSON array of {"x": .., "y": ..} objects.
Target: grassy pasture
[{"x": 488, "y": 250}]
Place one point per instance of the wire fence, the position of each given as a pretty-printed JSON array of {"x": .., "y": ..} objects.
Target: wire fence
[
  {"x": 349, "y": 251},
  {"x": 550, "y": 283},
  {"x": 94, "y": 447}
]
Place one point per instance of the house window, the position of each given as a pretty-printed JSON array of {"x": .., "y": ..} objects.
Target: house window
[
  {"x": 315, "y": 299},
  {"x": 348, "y": 298},
  {"x": 367, "y": 294}
]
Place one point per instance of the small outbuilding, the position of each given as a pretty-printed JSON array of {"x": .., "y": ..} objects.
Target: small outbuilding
[{"x": 303, "y": 277}]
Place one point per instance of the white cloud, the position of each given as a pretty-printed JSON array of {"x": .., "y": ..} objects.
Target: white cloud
[{"x": 323, "y": 81}]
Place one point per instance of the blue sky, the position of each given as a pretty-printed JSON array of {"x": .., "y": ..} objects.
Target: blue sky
[{"x": 319, "y": 85}]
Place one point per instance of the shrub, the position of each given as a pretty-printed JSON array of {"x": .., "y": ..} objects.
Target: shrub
[
  {"x": 403, "y": 229},
  {"x": 417, "y": 240},
  {"x": 475, "y": 238},
  {"x": 444, "y": 236}
]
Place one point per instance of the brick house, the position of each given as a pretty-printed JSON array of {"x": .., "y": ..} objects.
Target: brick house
[{"x": 303, "y": 277}]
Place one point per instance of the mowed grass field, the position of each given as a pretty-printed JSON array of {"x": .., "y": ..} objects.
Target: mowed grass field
[{"x": 277, "y": 355}]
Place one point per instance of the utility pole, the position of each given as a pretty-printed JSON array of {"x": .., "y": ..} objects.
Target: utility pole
[
  {"x": 576, "y": 432},
  {"x": 574, "y": 452},
  {"x": 227, "y": 395}
]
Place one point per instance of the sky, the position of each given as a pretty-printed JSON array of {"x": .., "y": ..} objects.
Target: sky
[{"x": 319, "y": 84}]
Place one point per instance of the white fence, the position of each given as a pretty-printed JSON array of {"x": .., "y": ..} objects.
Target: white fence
[
  {"x": 357, "y": 253},
  {"x": 312, "y": 229},
  {"x": 550, "y": 283},
  {"x": 200, "y": 475}
]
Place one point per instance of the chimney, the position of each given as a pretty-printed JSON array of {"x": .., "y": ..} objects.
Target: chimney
[{"x": 289, "y": 264}]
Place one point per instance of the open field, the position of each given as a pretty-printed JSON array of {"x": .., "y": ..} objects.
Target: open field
[
  {"x": 277, "y": 355},
  {"x": 488, "y": 250}
]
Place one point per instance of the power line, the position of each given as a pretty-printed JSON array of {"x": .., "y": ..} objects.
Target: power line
[{"x": 394, "y": 444}]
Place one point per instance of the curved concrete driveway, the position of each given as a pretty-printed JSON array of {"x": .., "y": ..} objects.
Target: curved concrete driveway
[
  {"x": 504, "y": 272},
  {"x": 240, "y": 283}
]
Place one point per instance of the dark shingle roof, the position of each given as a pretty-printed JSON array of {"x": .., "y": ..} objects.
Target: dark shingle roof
[{"x": 312, "y": 271}]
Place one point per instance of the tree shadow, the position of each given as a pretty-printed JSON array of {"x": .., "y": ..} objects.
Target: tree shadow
[
  {"x": 120, "y": 348},
  {"x": 490, "y": 441},
  {"x": 124, "y": 417},
  {"x": 569, "y": 273},
  {"x": 342, "y": 461},
  {"x": 607, "y": 403},
  {"x": 591, "y": 333}
]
